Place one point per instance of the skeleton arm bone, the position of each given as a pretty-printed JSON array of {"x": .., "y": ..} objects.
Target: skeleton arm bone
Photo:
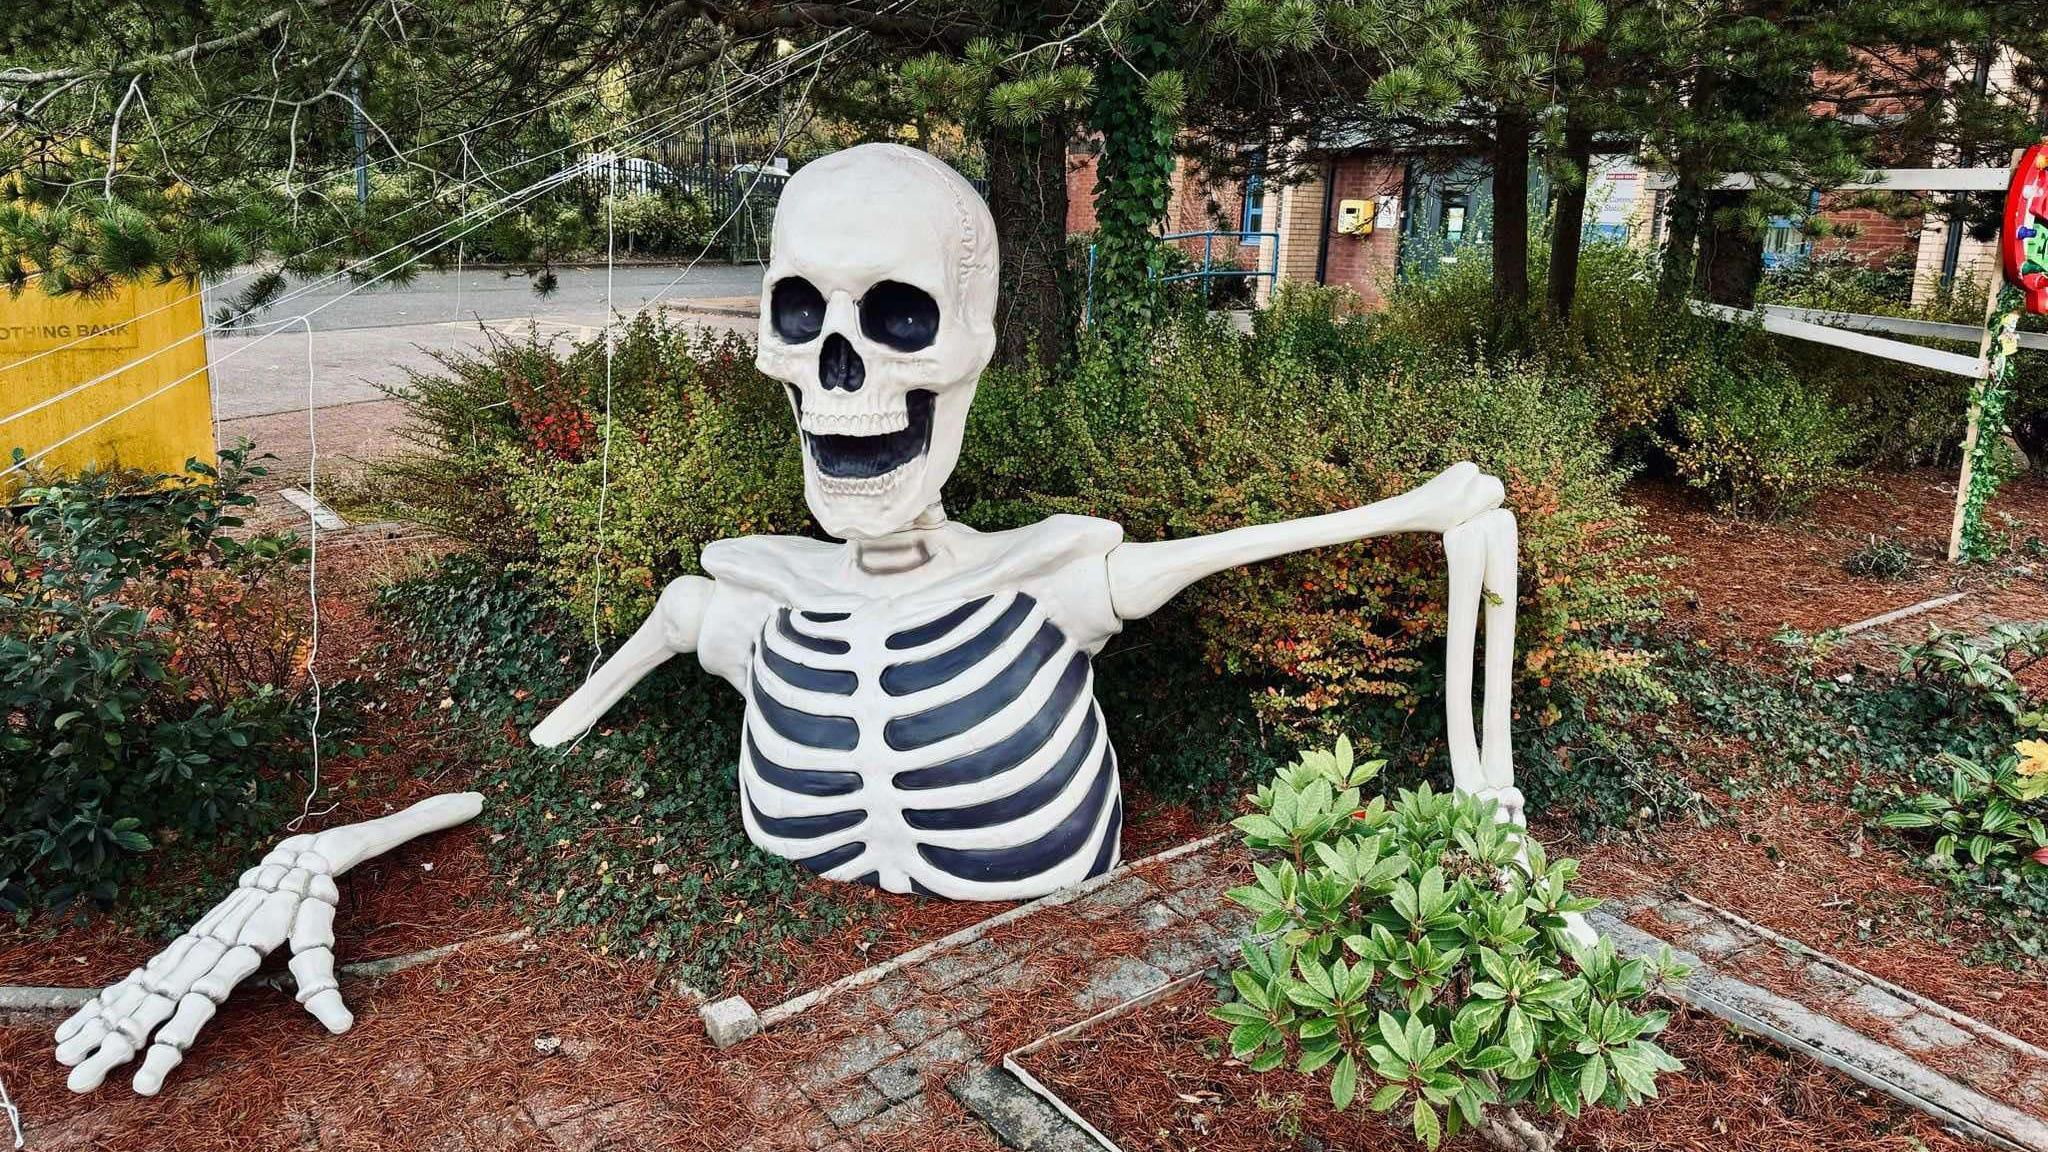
[
  {"x": 1144, "y": 576},
  {"x": 670, "y": 630}
]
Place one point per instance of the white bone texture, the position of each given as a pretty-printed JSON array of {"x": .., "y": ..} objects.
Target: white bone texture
[
  {"x": 920, "y": 711},
  {"x": 291, "y": 894}
]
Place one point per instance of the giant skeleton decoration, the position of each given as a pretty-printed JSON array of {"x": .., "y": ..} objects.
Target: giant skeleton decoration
[{"x": 920, "y": 713}]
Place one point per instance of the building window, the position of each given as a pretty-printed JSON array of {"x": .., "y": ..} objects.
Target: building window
[{"x": 1255, "y": 195}]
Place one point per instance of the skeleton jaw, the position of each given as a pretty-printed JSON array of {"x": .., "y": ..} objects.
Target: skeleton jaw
[{"x": 860, "y": 459}]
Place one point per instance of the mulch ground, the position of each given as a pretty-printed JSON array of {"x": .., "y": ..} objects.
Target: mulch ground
[
  {"x": 1160, "y": 1078},
  {"x": 1743, "y": 580}
]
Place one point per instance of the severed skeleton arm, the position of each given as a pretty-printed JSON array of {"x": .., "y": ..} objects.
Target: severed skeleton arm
[
  {"x": 290, "y": 895},
  {"x": 1462, "y": 504}
]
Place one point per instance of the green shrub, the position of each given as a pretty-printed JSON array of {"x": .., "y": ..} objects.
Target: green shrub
[
  {"x": 1880, "y": 558},
  {"x": 667, "y": 223},
  {"x": 511, "y": 460},
  {"x": 1217, "y": 431},
  {"x": 1991, "y": 815},
  {"x": 1419, "y": 953},
  {"x": 149, "y": 667},
  {"x": 1756, "y": 440}
]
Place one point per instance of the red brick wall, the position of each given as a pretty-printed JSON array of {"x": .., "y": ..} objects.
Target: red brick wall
[
  {"x": 1871, "y": 236},
  {"x": 1080, "y": 189},
  {"x": 1366, "y": 264}
]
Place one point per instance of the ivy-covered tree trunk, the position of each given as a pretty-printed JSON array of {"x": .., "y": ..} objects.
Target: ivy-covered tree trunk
[
  {"x": 1568, "y": 223},
  {"x": 1027, "y": 195},
  {"x": 1510, "y": 216},
  {"x": 1674, "y": 280},
  {"x": 1134, "y": 178},
  {"x": 1731, "y": 262}
]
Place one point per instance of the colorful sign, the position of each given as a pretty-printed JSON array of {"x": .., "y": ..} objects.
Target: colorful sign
[{"x": 2023, "y": 242}]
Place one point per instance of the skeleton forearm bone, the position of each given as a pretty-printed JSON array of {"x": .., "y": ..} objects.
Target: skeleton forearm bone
[
  {"x": 1144, "y": 576},
  {"x": 1463, "y": 505},
  {"x": 290, "y": 895},
  {"x": 670, "y": 630}
]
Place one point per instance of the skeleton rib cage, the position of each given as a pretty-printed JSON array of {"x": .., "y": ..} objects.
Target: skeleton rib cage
[{"x": 960, "y": 754}]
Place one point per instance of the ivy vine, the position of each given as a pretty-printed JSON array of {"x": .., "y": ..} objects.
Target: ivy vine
[
  {"x": 1990, "y": 462},
  {"x": 1137, "y": 105}
]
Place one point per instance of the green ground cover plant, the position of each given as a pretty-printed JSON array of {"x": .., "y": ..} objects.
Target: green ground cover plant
[
  {"x": 151, "y": 664},
  {"x": 1418, "y": 951}
]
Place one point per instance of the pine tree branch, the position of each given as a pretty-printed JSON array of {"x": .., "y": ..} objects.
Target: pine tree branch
[{"x": 152, "y": 62}]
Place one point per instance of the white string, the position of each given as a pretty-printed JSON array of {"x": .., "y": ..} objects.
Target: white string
[
  {"x": 312, "y": 586},
  {"x": 604, "y": 466},
  {"x": 13, "y": 1116},
  {"x": 759, "y": 81}
]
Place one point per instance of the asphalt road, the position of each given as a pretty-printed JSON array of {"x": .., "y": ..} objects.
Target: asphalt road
[{"x": 369, "y": 338}]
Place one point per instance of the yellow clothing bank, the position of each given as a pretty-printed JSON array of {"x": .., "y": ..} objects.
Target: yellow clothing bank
[{"x": 152, "y": 415}]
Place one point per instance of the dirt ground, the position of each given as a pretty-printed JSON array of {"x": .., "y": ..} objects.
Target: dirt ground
[{"x": 1160, "y": 1079}]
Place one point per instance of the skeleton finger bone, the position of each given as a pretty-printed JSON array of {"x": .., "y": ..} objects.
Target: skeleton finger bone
[{"x": 172, "y": 1042}]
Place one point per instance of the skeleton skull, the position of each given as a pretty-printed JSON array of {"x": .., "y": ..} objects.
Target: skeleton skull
[{"x": 878, "y": 313}]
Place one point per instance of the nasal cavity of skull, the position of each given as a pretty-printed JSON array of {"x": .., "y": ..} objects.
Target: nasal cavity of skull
[{"x": 839, "y": 366}]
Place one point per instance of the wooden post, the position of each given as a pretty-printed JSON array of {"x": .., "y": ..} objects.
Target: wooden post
[{"x": 1974, "y": 429}]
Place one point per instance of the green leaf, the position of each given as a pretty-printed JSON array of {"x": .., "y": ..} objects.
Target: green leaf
[
  {"x": 1428, "y": 1128},
  {"x": 1344, "y": 1082}
]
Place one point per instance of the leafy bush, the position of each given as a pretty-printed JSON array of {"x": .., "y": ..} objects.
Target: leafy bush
[
  {"x": 509, "y": 460},
  {"x": 1880, "y": 558},
  {"x": 1756, "y": 440},
  {"x": 1993, "y": 815},
  {"x": 1306, "y": 416},
  {"x": 1422, "y": 946},
  {"x": 671, "y": 223},
  {"x": 148, "y": 672}
]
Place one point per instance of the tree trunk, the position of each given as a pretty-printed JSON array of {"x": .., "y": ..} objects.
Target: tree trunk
[
  {"x": 1731, "y": 252},
  {"x": 1510, "y": 216},
  {"x": 1567, "y": 228},
  {"x": 1675, "y": 278},
  {"x": 1027, "y": 195}
]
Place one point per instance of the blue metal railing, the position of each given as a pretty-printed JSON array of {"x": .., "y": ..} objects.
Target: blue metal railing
[{"x": 1209, "y": 270}]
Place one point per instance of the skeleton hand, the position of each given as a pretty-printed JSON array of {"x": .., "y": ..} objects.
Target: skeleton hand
[{"x": 290, "y": 895}]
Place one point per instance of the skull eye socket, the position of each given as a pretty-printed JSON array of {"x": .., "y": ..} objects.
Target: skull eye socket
[
  {"x": 899, "y": 316},
  {"x": 797, "y": 310}
]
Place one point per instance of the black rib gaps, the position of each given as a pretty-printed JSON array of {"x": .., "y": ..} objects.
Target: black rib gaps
[
  {"x": 823, "y": 644},
  {"x": 872, "y": 879},
  {"x": 838, "y": 733},
  {"x": 824, "y": 617},
  {"x": 1107, "y": 852},
  {"x": 836, "y": 681},
  {"x": 920, "y": 729},
  {"x": 1022, "y": 802},
  {"x": 931, "y": 630},
  {"x": 802, "y": 781},
  {"x": 833, "y": 857},
  {"x": 1011, "y": 750},
  {"x": 995, "y": 865},
  {"x": 805, "y": 827},
  {"x": 918, "y": 675}
]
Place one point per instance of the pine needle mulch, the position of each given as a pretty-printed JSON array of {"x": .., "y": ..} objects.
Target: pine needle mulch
[
  {"x": 1160, "y": 1078},
  {"x": 1805, "y": 868}
]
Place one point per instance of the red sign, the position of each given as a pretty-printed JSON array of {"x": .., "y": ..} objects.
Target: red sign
[{"x": 2023, "y": 242}]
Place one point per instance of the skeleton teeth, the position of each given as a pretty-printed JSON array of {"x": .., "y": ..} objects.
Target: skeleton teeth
[
  {"x": 854, "y": 423},
  {"x": 866, "y": 486}
]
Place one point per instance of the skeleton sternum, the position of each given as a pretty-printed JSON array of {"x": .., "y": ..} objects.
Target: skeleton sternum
[{"x": 956, "y": 751}]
